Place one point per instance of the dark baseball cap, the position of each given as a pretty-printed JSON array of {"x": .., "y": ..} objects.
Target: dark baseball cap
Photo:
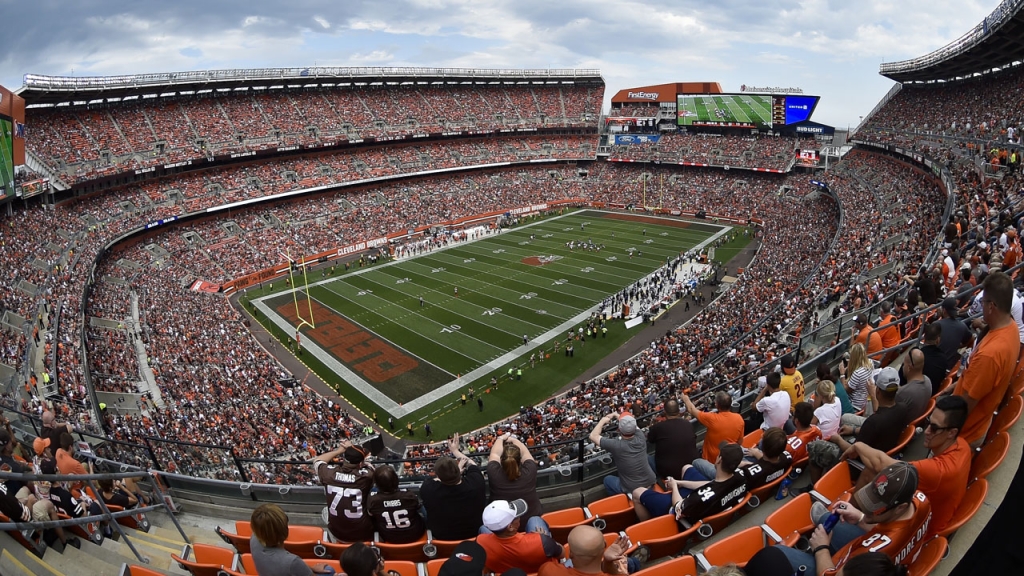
[
  {"x": 468, "y": 559},
  {"x": 894, "y": 485},
  {"x": 788, "y": 362},
  {"x": 354, "y": 454}
]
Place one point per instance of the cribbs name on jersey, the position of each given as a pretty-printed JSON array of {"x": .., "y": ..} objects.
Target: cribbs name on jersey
[{"x": 392, "y": 503}]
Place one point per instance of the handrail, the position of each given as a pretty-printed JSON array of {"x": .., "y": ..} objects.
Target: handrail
[
  {"x": 107, "y": 514},
  {"x": 968, "y": 40}
]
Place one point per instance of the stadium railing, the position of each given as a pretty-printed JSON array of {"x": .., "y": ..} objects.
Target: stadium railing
[{"x": 160, "y": 503}]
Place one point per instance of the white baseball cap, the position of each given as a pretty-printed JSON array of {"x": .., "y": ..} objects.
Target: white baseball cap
[{"x": 500, "y": 513}]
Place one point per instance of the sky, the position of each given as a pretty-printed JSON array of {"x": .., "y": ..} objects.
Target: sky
[{"x": 830, "y": 48}]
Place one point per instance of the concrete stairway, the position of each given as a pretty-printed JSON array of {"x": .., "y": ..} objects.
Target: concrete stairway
[{"x": 157, "y": 545}]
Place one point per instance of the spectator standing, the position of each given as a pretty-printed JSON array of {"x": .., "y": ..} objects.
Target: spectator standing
[
  {"x": 455, "y": 498},
  {"x": 983, "y": 384},
  {"x": 347, "y": 488},
  {"x": 52, "y": 429},
  {"x": 507, "y": 548},
  {"x": 792, "y": 380},
  {"x": 857, "y": 377},
  {"x": 773, "y": 403},
  {"x": 395, "y": 513},
  {"x": 954, "y": 333},
  {"x": 863, "y": 334},
  {"x": 675, "y": 444},
  {"x": 722, "y": 426},
  {"x": 629, "y": 453},
  {"x": 512, "y": 475}
]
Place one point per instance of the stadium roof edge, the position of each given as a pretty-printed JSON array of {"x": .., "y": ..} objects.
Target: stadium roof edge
[
  {"x": 41, "y": 89},
  {"x": 988, "y": 47}
]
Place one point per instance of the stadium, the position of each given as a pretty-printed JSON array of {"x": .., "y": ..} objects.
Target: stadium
[{"x": 217, "y": 279}]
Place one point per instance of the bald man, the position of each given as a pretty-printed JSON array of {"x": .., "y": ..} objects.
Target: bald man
[
  {"x": 589, "y": 556},
  {"x": 917, "y": 391}
]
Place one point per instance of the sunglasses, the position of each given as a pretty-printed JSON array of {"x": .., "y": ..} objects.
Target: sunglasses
[{"x": 933, "y": 427}]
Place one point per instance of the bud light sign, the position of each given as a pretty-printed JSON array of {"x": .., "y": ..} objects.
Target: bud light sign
[{"x": 625, "y": 139}]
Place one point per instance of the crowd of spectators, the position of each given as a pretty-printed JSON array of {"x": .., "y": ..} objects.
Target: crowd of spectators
[
  {"x": 771, "y": 152},
  {"x": 636, "y": 111},
  {"x": 242, "y": 379},
  {"x": 86, "y": 143}
]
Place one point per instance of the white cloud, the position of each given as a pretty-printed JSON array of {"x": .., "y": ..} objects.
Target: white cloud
[{"x": 828, "y": 47}]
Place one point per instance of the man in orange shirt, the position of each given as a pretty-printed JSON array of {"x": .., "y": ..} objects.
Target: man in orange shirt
[
  {"x": 943, "y": 477},
  {"x": 984, "y": 382},
  {"x": 862, "y": 334},
  {"x": 506, "y": 547},
  {"x": 805, "y": 432},
  {"x": 66, "y": 462},
  {"x": 890, "y": 336},
  {"x": 724, "y": 425}
]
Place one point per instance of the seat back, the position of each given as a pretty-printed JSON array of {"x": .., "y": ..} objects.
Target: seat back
[
  {"x": 684, "y": 565},
  {"x": 769, "y": 489},
  {"x": 561, "y": 522},
  {"x": 335, "y": 549},
  {"x": 1007, "y": 417},
  {"x": 914, "y": 424},
  {"x": 991, "y": 456},
  {"x": 243, "y": 528},
  {"x": 434, "y": 566},
  {"x": 199, "y": 568},
  {"x": 240, "y": 542},
  {"x": 751, "y": 440},
  {"x": 302, "y": 533},
  {"x": 134, "y": 570},
  {"x": 738, "y": 548},
  {"x": 791, "y": 519},
  {"x": 905, "y": 437},
  {"x": 403, "y": 567},
  {"x": 717, "y": 522},
  {"x": 834, "y": 482},
  {"x": 412, "y": 551},
  {"x": 247, "y": 564},
  {"x": 617, "y": 512},
  {"x": 969, "y": 506},
  {"x": 661, "y": 536},
  {"x": 207, "y": 554},
  {"x": 929, "y": 557}
]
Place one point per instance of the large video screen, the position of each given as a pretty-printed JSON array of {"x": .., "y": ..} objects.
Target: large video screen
[
  {"x": 6, "y": 157},
  {"x": 760, "y": 111},
  {"x": 733, "y": 110}
]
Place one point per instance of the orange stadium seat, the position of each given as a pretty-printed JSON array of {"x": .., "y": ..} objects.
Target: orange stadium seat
[
  {"x": 434, "y": 566},
  {"x": 247, "y": 564},
  {"x": 738, "y": 548},
  {"x": 306, "y": 541},
  {"x": 661, "y": 536},
  {"x": 717, "y": 522},
  {"x": 930, "y": 556},
  {"x": 905, "y": 437},
  {"x": 561, "y": 522},
  {"x": 1006, "y": 417},
  {"x": 134, "y": 570},
  {"x": 759, "y": 495},
  {"x": 335, "y": 549},
  {"x": 833, "y": 483},
  {"x": 207, "y": 560},
  {"x": 991, "y": 456},
  {"x": 445, "y": 548},
  {"x": 617, "y": 512},
  {"x": 684, "y": 565},
  {"x": 412, "y": 551},
  {"x": 791, "y": 520},
  {"x": 968, "y": 507},
  {"x": 403, "y": 567},
  {"x": 751, "y": 440},
  {"x": 916, "y": 423},
  {"x": 240, "y": 538}
]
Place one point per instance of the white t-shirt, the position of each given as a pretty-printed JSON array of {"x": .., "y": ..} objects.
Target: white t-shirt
[
  {"x": 775, "y": 409},
  {"x": 829, "y": 417}
]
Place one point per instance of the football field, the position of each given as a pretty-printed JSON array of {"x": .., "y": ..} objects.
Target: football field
[
  {"x": 410, "y": 331},
  {"x": 6, "y": 155}
]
